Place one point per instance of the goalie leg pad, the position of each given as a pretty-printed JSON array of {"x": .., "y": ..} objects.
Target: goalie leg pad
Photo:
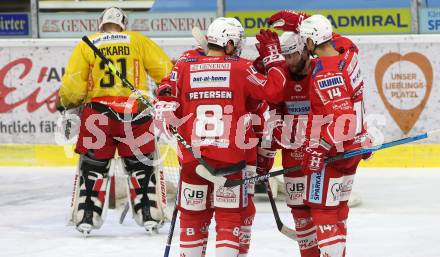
[
  {"x": 142, "y": 184},
  {"x": 92, "y": 193}
]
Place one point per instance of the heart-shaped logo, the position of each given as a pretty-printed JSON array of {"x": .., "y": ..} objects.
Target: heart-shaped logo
[{"x": 404, "y": 84}]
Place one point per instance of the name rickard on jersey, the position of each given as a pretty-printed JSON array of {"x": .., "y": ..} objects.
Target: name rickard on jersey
[{"x": 114, "y": 50}]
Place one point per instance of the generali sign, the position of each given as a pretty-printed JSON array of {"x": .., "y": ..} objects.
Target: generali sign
[{"x": 66, "y": 25}]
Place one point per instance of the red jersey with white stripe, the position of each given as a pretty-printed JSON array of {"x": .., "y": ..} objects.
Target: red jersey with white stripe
[{"x": 212, "y": 93}]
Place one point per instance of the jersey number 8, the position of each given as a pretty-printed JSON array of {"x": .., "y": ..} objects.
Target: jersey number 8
[{"x": 209, "y": 121}]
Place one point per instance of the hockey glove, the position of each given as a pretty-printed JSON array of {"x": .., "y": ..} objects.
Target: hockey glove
[
  {"x": 265, "y": 159},
  {"x": 70, "y": 123},
  {"x": 314, "y": 157},
  {"x": 258, "y": 65},
  {"x": 270, "y": 49},
  {"x": 287, "y": 20},
  {"x": 164, "y": 111}
]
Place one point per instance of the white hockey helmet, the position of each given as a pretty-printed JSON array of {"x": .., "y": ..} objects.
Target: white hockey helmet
[
  {"x": 317, "y": 27},
  {"x": 237, "y": 24},
  {"x": 291, "y": 43},
  {"x": 113, "y": 15},
  {"x": 222, "y": 30}
]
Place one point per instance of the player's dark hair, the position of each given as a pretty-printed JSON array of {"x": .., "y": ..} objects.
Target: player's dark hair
[{"x": 215, "y": 47}]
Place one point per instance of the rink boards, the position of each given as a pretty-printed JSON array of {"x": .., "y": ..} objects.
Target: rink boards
[
  {"x": 408, "y": 156},
  {"x": 401, "y": 96}
]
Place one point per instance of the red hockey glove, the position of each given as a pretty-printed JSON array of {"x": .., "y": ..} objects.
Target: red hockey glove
[
  {"x": 164, "y": 116},
  {"x": 164, "y": 111},
  {"x": 258, "y": 65},
  {"x": 270, "y": 49},
  {"x": 314, "y": 156},
  {"x": 265, "y": 159},
  {"x": 287, "y": 20}
]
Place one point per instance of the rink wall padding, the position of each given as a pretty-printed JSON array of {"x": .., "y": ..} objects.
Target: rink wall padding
[
  {"x": 408, "y": 156},
  {"x": 402, "y": 96}
]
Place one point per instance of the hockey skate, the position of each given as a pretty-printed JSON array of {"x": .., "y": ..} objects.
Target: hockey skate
[
  {"x": 84, "y": 228},
  {"x": 152, "y": 226}
]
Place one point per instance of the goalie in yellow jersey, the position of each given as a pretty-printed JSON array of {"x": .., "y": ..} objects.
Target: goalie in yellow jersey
[{"x": 113, "y": 119}]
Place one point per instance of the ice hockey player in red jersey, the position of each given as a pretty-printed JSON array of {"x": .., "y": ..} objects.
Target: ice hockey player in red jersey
[
  {"x": 255, "y": 107},
  {"x": 211, "y": 92},
  {"x": 335, "y": 124},
  {"x": 294, "y": 110}
]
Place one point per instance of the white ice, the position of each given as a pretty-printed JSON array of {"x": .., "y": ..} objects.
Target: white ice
[{"x": 399, "y": 217}]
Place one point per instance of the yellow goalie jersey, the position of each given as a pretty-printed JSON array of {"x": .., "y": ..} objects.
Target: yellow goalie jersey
[{"x": 88, "y": 79}]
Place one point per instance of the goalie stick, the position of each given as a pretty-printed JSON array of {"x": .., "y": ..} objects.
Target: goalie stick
[
  {"x": 234, "y": 182},
  {"x": 144, "y": 100}
]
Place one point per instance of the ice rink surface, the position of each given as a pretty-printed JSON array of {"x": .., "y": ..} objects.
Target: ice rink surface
[{"x": 399, "y": 217}]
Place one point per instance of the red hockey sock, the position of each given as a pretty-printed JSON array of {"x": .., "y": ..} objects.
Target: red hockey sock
[
  {"x": 193, "y": 233},
  {"x": 247, "y": 219},
  {"x": 228, "y": 233},
  {"x": 331, "y": 238},
  {"x": 306, "y": 230}
]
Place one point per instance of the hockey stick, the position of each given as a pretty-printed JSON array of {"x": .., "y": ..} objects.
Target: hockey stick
[
  {"x": 171, "y": 231},
  {"x": 290, "y": 233},
  {"x": 124, "y": 212},
  {"x": 234, "y": 182},
  {"x": 144, "y": 100},
  {"x": 200, "y": 38}
]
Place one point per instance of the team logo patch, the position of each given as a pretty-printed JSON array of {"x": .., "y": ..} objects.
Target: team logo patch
[
  {"x": 295, "y": 188},
  {"x": 231, "y": 58},
  {"x": 191, "y": 60},
  {"x": 193, "y": 197},
  {"x": 210, "y": 66},
  {"x": 208, "y": 79},
  {"x": 334, "y": 192},
  {"x": 173, "y": 76},
  {"x": 330, "y": 82},
  {"x": 316, "y": 187},
  {"x": 227, "y": 197},
  {"x": 298, "y": 107},
  {"x": 356, "y": 77},
  {"x": 111, "y": 39}
]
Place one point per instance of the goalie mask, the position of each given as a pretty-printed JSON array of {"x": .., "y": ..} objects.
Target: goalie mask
[{"x": 113, "y": 15}]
